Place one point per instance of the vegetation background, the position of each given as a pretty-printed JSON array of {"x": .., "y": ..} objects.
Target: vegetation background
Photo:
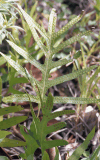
[{"x": 86, "y": 117}]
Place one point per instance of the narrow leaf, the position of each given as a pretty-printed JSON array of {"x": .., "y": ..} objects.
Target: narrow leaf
[
  {"x": 95, "y": 153},
  {"x": 68, "y": 77},
  {"x": 45, "y": 156},
  {"x": 60, "y": 113},
  {"x": 79, "y": 151},
  {"x": 75, "y": 100},
  {"x": 70, "y": 41},
  {"x": 32, "y": 24},
  {"x": 21, "y": 98},
  {"x": 11, "y": 109},
  {"x": 12, "y": 143},
  {"x": 55, "y": 127},
  {"x": 52, "y": 22},
  {"x": 26, "y": 55},
  {"x": 14, "y": 64},
  {"x": 12, "y": 121},
  {"x": 54, "y": 143},
  {"x": 66, "y": 27}
]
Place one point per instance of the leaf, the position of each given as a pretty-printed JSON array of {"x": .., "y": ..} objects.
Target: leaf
[
  {"x": 59, "y": 113},
  {"x": 68, "y": 77},
  {"x": 3, "y": 158},
  {"x": 52, "y": 22},
  {"x": 10, "y": 109},
  {"x": 12, "y": 143},
  {"x": 14, "y": 64},
  {"x": 79, "y": 151},
  {"x": 0, "y": 89},
  {"x": 95, "y": 153},
  {"x": 26, "y": 55},
  {"x": 32, "y": 24},
  {"x": 57, "y": 154},
  {"x": 70, "y": 41},
  {"x": 77, "y": 100},
  {"x": 3, "y": 134},
  {"x": 66, "y": 27},
  {"x": 54, "y": 143},
  {"x": 11, "y": 122},
  {"x": 45, "y": 156},
  {"x": 20, "y": 98}
]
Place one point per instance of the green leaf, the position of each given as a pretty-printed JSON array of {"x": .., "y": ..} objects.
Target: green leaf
[
  {"x": 10, "y": 109},
  {"x": 32, "y": 24},
  {"x": 70, "y": 76},
  {"x": 59, "y": 113},
  {"x": 77, "y": 100},
  {"x": 52, "y": 22},
  {"x": 79, "y": 151},
  {"x": 12, "y": 143},
  {"x": 95, "y": 153},
  {"x": 57, "y": 154},
  {"x": 14, "y": 64},
  {"x": 66, "y": 27},
  {"x": 3, "y": 134},
  {"x": 54, "y": 143},
  {"x": 11, "y": 122},
  {"x": 45, "y": 156},
  {"x": 0, "y": 89},
  {"x": 26, "y": 55},
  {"x": 70, "y": 41},
  {"x": 21, "y": 98},
  {"x": 3, "y": 158}
]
